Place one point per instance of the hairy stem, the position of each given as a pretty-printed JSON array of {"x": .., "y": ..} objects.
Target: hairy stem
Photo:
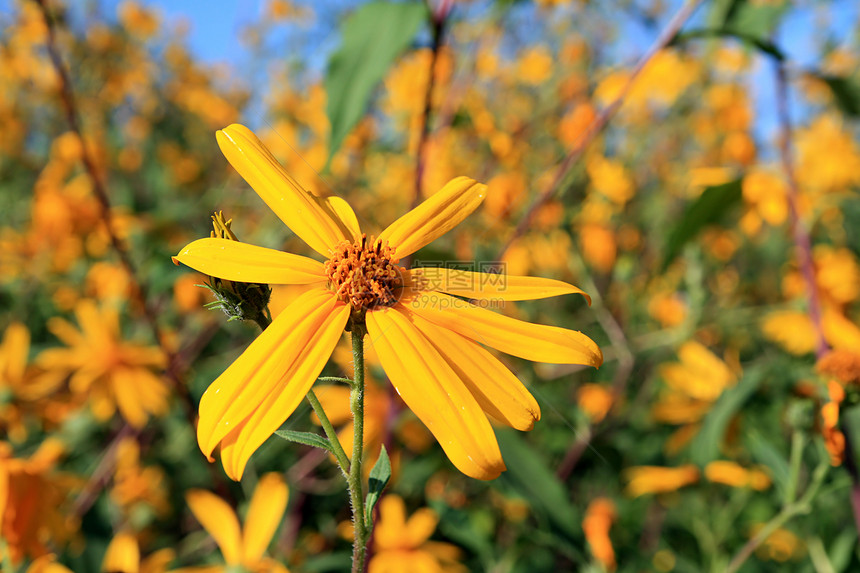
[{"x": 356, "y": 492}]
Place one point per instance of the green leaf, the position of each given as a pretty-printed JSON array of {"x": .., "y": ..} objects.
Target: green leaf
[
  {"x": 846, "y": 92},
  {"x": 537, "y": 483},
  {"x": 378, "y": 479},
  {"x": 709, "y": 208},
  {"x": 841, "y": 549},
  {"x": 705, "y": 447},
  {"x": 305, "y": 438},
  {"x": 764, "y": 452},
  {"x": 373, "y": 36}
]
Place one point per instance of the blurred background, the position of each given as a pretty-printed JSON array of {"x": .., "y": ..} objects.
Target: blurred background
[{"x": 694, "y": 167}]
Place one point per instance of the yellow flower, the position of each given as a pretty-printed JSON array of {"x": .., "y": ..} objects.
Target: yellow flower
[
  {"x": 735, "y": 475},
  {"x": 112, "y": 372},
  {"x": 123, "y": 556},
  {"x": 401, "y": 544},
  {"x": 31, "y": 499},
  {"x": 244, "y": 546},
  {"x": 47, "y": 564},
  {"x": 135, "y": 485},
  {"x": 596, "y": 525},
  {"x": 424, "y": 337},
  {"x": 643, "y": 480}
]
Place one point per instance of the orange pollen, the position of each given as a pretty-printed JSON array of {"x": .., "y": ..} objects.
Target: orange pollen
[{"x": 364, "y": 274}]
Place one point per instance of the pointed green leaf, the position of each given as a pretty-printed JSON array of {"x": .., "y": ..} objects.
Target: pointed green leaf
[
  {"x": 709, "y": 208},
  {"x": 705, "y": 447},
  {"x": 846, "y": 92},
  {"x": 305, "y": 438},
  {"x": 537, "y": 483},
  {"x": 373, "y": 36},
  {"x": 379, "y": 476}
]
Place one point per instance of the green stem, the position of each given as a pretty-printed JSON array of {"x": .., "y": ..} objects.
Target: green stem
[
  {"x": 798, "y": 441},
  {"x": 798, "y": 507},
  {"x": 331, "y": 434},
  {"x": 356, "y": 402}
]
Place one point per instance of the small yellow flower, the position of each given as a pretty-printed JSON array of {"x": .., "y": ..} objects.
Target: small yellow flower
[
  {"x": 643, "y": 480},
  {"x": 596, "y": 525},
  {"x": 111, "y": 372},
  {"x": 244, "y": 546},
  {"x": 428, "y": 342},
  {"x": 734, "y": 475},
  {"x": 402, "y": 544},
  {"x": 123, "y": 556}
]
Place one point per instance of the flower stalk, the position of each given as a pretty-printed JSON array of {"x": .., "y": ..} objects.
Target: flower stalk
[{"x": 356, "y": 495}]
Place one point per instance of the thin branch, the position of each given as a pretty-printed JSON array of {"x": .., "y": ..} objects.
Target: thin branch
[{"x": 600, "y": 122}]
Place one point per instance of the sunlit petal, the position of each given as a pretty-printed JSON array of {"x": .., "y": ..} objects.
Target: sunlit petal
[
  {"x": 241, "y": 262},
  {"x": 433, "y": 391},
  {"x": 435, "y": 216},
  {"x": 219, "y": 520},
  {"x": 488, "y": 285},
  {"x": 315, "y": 223},
  {"x": 122, "y": 555},
  {"x": 288, "y": 390},
  {"x": 509, "y": 335},
  {"x": 264, "y": 515},
  {"x": 496, "y": 389},
  {"x": 261, "y": 368}
]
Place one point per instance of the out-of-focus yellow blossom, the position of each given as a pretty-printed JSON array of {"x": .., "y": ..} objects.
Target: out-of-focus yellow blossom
[
  {"x": 692, "y": 387},
  {"x": 32, "y": 496},
  {"x": 666, "y": 76},
  {"x": 739, "y": 147},
  {"x": 136, "y": 485},
  {"x": 668, "y": 308},
  {"x": 644, "y": 480},
  {"x": 595, "y": 400},
  {"x": 187, "y": 294},
  {"x": 535, "y": 65},
  {"x": 111, "y": 372},
  {"x": 596, "y": 525},
  {"x": 781, "y": 545},
  {"x": 47, "y": 564},
  {"x": 123, "y": 556},
  {"x": 731, "y": 59},
  {"x": 137, "y": 20},
  {"x": 794, "y": 331},
  {"x": 610, "y": 178},
  {"x": 402, "y": 544},
  {"x": 842, "y": 367},
  {"x": 505, "y": 195},
  {"x": 599, "y": 248},
  {"x": 837, "y": 276},
  {"x": 734, "y": 475},
  {"x": 701, "y": 177},
  {"x": 243, "y": 547},
  {"x": 767, "y": 193},
  {"x": 573, "y": 126},
  {"x": 700, "y": 374},
  {"x": 828, "y": 158}
]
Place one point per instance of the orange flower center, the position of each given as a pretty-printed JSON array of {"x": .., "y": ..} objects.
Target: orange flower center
[{"x": 364, "y": 274}]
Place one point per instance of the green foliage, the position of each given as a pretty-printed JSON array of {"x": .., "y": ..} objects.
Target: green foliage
[
  {"x": 710, "y": 208},
  {"x": 372, "y": 38},
  {"x": 379, "y": 476}
]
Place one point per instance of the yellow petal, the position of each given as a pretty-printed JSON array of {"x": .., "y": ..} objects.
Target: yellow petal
[
  {"x": 306, "y": 215},
  {"x": 435, "y": 216},
  {"x": 241, "y": 262},
  {"x": 14, "y": 350},
  {"x": 420, "y": 526},
  {"x": 509, "y": 335},
  {"x": 264, "y": 515},
  {"x": 344, "y": 212},
  {"x": 158, "y": 561},
  {"x": 289, "y": 389},
  {"x": 496, "y": 389},
  {"x": 234, "y": 395},
  {"x": 218, "y": 519},
  {"x": 389, "y": 529},
  {"x": 125, "y": 390},
  {"x": 433, "y": 391},
  {"x": 488, "y": 285},
  {"x": 122, "y": 555}
]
